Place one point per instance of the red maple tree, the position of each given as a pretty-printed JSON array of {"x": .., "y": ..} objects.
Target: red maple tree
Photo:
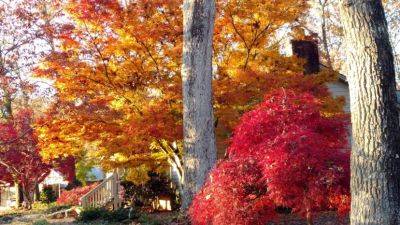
[
  {"x": 300, "y": 160},
  {"x": 20, "y": 161},
  {"x": 66, "y": 166}
]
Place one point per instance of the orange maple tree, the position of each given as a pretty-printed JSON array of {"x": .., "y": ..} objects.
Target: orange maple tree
[{"x": 116, "y": 69}]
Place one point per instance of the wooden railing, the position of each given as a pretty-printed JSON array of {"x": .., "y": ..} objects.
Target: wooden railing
[{"x": 107, "y": 192}]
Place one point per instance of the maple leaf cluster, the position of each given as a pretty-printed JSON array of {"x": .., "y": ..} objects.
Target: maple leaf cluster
[{"x": 283, "y": 153}]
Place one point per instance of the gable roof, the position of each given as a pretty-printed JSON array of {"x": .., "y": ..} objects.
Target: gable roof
[{"x": 54, "y": 177}]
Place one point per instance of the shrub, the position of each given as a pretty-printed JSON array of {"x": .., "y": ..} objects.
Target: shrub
[
  {"x": 283, "y": 113},
  {"x": 294, "y": 157},
  {"x": 303, "y": 173},
  {"x": 304, "y": 154},
  {"x": 72, "y": 197},
  {"x": 74, "y": 184},
  {"x": 48, "y": 195},
  {"x": 235, "y": 193},
  {"x": 91, "y": 214},
  {"x": 147, "y": 220},
  {"x": 143, "y": 195},
  {"x": 134, "y": 213},
  {"x": 119, "y": 215}
]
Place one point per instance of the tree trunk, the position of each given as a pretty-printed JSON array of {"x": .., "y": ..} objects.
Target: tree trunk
[
  {"x": 309, "y": 219},
  {"x": 18, "y": 195},
  {"x": 27, "y": 204},
  {"x": 324, "y": 33},
  {"x": 199, "y": 139},
  {"x": 176, "y": 173},
  {"x": 36, "y": 197},
  {"x": 375, "y": 161},
  {"x": 175, "y": 162}
]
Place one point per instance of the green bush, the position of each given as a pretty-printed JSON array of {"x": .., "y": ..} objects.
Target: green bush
[
  {"x": 48, "y": 195},
  {"x": 143, "y": 195},
  {"x": 147, "y": 220},
  {"x": 118, "y": 215},
  {"x": 91, "y": 214},
  {"x": 134, "y": 213},
  {"x": 121, "y": 214}
]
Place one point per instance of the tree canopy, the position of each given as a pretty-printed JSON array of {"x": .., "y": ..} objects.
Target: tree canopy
[{"x": 116, "y": 69}]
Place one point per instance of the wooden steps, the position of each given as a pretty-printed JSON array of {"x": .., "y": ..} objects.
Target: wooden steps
[{"x": 107, "y": 192}]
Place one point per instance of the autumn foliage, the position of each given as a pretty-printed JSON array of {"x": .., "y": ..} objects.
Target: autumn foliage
[
  {"x": 66, "y": 166},
  {"x": 283, "y": 153},
  {"x": 72, "y": 197},
  {"x": 20, "y": 161},
  {"x": 116, "y": 69},
  {"x": 235, "y": 193}
]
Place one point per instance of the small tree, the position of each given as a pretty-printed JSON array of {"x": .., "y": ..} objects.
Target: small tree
[
  {"x": 300, "y": 159},
  {"x": 20, "y": 161}
]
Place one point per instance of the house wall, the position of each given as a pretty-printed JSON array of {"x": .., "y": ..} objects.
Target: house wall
[
  {"x": 54, "y": 179},
  {"x": 339, "y": 88},
  {"x": 3, "y": 197},
  {"x": 7, "y": 197}
]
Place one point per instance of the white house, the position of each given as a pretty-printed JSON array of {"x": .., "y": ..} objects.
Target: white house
[
  {"x": 8, "y": 192},
  {"x": 7, "y": 197},
  {"x": 340, "y": 88},
  {"x": 308, "y": 50},
  {"x": 55, "y": 180}
]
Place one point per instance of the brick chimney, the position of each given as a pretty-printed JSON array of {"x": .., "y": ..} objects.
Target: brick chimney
[{"x": 308, "y": 50}]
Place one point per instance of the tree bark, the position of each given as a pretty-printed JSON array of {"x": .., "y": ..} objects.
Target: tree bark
[
  {"x": 375, "y": 161},
  {"x": 18, "y": 197},
  {"x": 36, "y": 196},
  {"x": 175, "y": 162},
  {"x": 324, "y": 33},
  {"x": 199, "y": 139},
  {"x": 27, "y": 203}
]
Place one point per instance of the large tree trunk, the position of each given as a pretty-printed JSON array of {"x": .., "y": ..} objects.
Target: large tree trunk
[
  {"x": 199, "y": 139},
  {"x": 375, "y": 159}
]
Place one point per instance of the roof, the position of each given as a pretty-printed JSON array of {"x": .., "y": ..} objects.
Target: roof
[
  {"x": 54, "y": 177},
  {"x": 342, "y": 77}
]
